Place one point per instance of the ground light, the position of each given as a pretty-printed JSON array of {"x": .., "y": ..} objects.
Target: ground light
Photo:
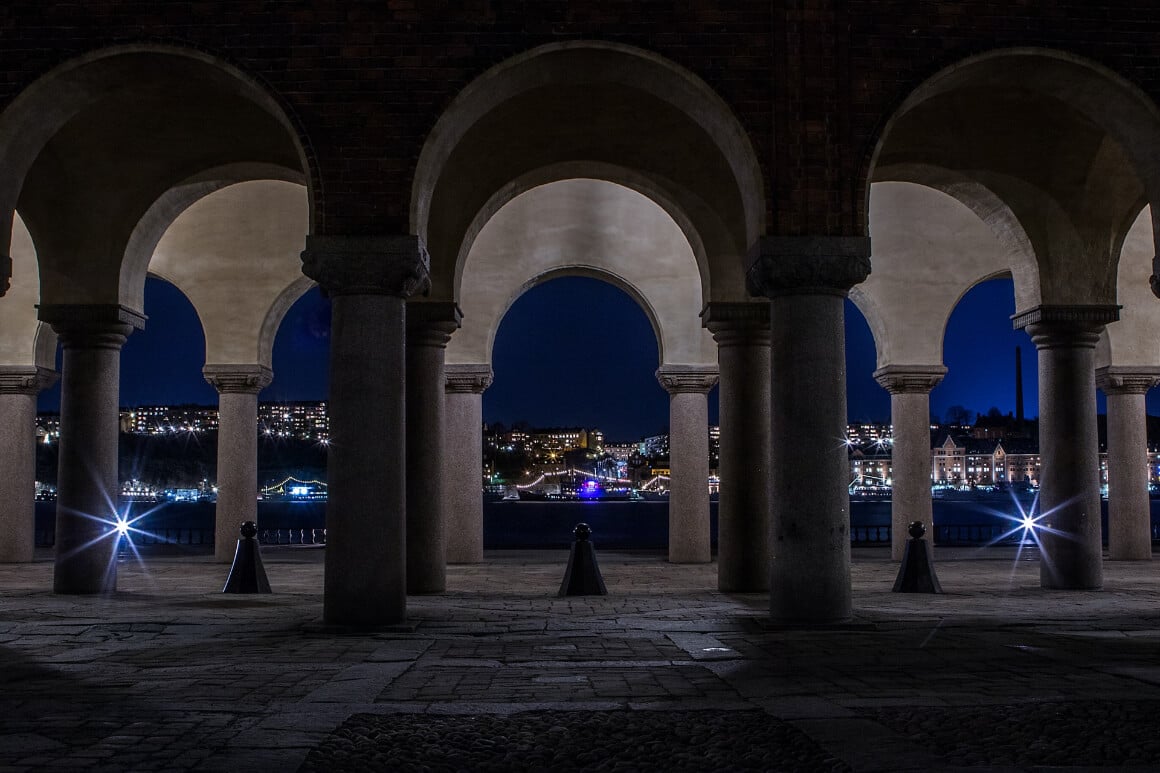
[{"x": 1027, "y": 526}]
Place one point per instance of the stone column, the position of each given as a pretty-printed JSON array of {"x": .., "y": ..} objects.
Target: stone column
[
  {"x": 366, "y": 528},
  {"x": 741, "y": 331},
  {"x": 688, "y": 387},
  {"x": 237, "y": 453},
  {"x": 463, "y": 462},
  {"x": 429, "y": 328},
  {"x": 909, "y": 387},
  {"x": 19, "y": 386},
  {"x": 806, "y": 280},
  {"x": 91, "y": 337},
  {"x": 1129, "y": 508},
  {"x": 1069, "y": 484}
]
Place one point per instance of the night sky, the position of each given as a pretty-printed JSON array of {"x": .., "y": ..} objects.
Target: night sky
[{"x": 577, "y": 352}]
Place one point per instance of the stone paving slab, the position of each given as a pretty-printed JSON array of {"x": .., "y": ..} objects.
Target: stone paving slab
[{"x": 169, "y": 674}]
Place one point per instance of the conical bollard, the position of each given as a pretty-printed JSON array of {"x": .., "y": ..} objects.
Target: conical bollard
[
  {"x": 247, "y": 575},
  {"x": 582, "y": 578},
  {"x": 916, "y": 575}
]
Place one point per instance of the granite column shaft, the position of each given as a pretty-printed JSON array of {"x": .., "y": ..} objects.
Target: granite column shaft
[
  {"x": 463, "y": 461},
  {"x": 429, "y": 328},
  {"x": 237, "y": 452},
  {"x": 19, "y": 387},
  {"x": 1069, "y": 490},
  {"x": 909, "y": 387},
  {"x": 689, "y": 533},
  {"x": 91, "y": 338},
  {"x": 742, "y": 334},
  {"x": 1129, "y": 506},
  {"x": 368, "y": 279},
  {"x": 807, "y": 280}
]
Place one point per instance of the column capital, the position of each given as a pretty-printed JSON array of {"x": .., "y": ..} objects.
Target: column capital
[
  {"x": 368, "y": 265},
  {"x": 467, "y": 379},
  {"x": 687, "y": 378},
  {"x": 25, "y": 379},
  {"x": 5, "y": 275},
  {"x": 431, "y": 323},
  {"x": 244, "y": 379},
  {"x": 1127, "y": 380},
  {"x": 806, "y": 265},
  {"x": 1065, "y": 325},
  {"x": 737, "y": 323},
  {"x": 91, "y": 325},
  {"x": 909, "y": 379}
]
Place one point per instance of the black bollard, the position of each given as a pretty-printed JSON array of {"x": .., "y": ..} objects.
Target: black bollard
[
  {"x": 916, "y": 575},
  {"x": 247, "y": 575},
  {"x": 582, "y": 578}
]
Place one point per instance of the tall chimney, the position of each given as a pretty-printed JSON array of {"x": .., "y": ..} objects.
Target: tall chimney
[{"x": 1018, "y": 388}]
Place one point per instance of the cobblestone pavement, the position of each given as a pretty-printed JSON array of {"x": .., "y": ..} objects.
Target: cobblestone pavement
[{"x": 664, "y": 673}]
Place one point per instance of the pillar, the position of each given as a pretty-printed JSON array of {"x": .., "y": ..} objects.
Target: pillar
[
  {"x": 463, "y": 461},
  {"x": 688, "y": 387},
  {"x": 429, "y": 328},
  {"x": 909, "y": 387},
  {"x": 19, "y": 386},
  {"x": 741, "y": 331},
  {"x": 237, "y": 452},
  {"x": 1069, "y": 481},
  {"x": 1129, "y": 508},
  {"x": 368, "y": 278},
  {"x": 91, "y": 337},
  {"x": 807, "y": 280}
]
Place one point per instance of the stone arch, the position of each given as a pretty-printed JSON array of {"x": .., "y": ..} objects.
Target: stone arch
[
  {"x": 24, "y": 340},
  {"x": 576, "y": 109},
  {"x": 929, "y": 249},
  {"x": 591, "y": 228},
  {"x": 1065, "y": 144},
  {"x": 235, "y": 254},
  {"x": 277, "y": 312},
  {"x": 1133, "y": 340},
  {"x": 71, "y": 152}
]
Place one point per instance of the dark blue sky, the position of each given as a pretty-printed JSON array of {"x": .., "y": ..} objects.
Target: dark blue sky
[{"x": 577, "y": 351}]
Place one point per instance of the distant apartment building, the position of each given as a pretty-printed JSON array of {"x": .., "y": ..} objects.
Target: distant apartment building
[
  {"x": 167, "y": 419},
  {"x": 306, "y": 420},
  {"x": 984, "y": 462},
  {"x": 868, "y": 432}
]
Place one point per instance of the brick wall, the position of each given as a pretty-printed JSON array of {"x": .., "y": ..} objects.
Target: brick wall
[{"x": 812, "y": 81}]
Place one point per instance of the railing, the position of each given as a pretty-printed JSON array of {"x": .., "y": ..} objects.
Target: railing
[
  {"x": 45, "y": 538},
  {"x": 951, "y": 534},
  {"x": 870, "y": 535}
]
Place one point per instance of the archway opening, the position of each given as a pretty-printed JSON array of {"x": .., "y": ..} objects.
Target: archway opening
[
  {"x": 575, "y": 389},
  {"x": 293, "y": 422}
]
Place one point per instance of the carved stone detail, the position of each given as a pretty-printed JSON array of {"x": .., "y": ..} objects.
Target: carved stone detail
[
  {"x": 807, "y": 265},
  {"x": 431, "y": 323},
  {"x": 1071, "y": 325},
  {"x": 246, "y": 379},
  {"x": 687, "y": 378},
  {"x": 5, "y": 275},
  {"x": 368, "y": 265},
  {"x": 738, "y": 323},
  {"x": 467, "y": 379},
  {"x": 91, "y": 325},
  {"x": 1127, "y": 380},
  {"x": 25, "y": 380},
  {"x": 909, "y": 379}
]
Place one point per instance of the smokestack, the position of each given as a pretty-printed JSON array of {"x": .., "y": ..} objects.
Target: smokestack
[{"x": 1018, "y": 387}]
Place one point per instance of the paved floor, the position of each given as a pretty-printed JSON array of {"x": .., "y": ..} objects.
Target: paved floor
[{"x": 663, "y": 673}]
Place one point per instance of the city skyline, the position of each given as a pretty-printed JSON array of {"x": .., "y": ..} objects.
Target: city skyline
[{"x": 609, "y": 351}]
